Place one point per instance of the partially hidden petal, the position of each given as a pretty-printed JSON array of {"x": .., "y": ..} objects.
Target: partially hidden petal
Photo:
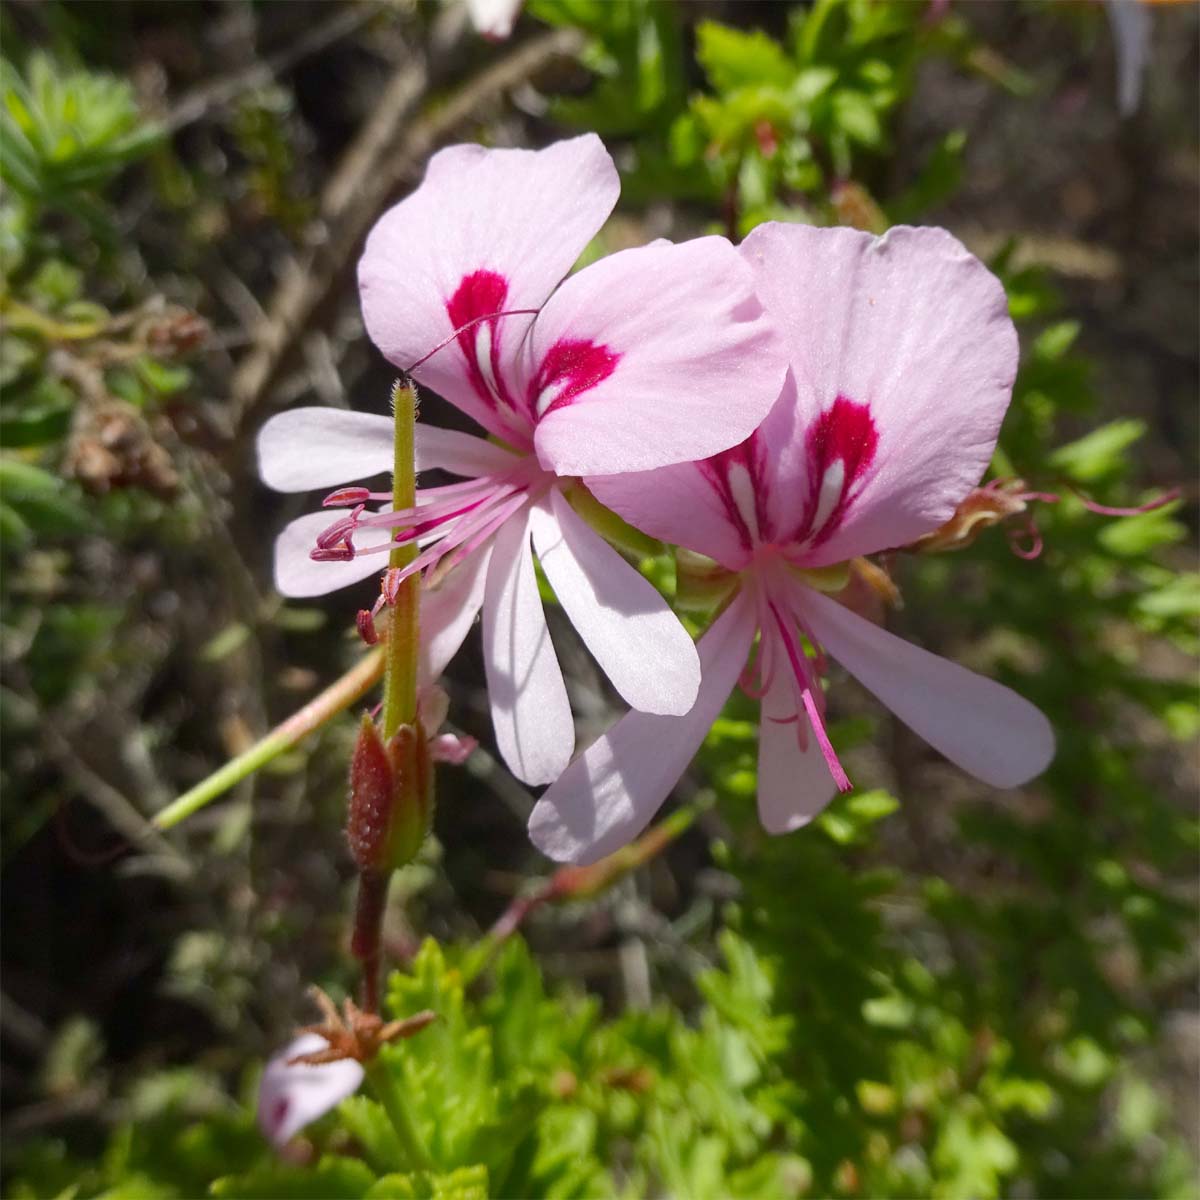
[
  {"x": 449, "y": 610},
  {"x": 678, "y": 505},
  {"x": 793, "y": 784},
  {"x": 978, "y": 724},
  {"x": 290, "y": 1097},
  {"x": 299, "y": 577},
  {"x": 487, "y": 231},
  {"x": 459, "y": 453},
  {"x": 904, "y": 357},
  {"x": 629, "y": 628},
  {"x": 609, "y": 794},
  {"x": 530, "y": 710},
  {"x": 308, "y": 448},
  {"x": 651, "y": 356}
]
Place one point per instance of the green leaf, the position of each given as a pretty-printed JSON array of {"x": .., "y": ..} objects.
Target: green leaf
[
  {"x": 1100, "y": 453},
  {"x": 855, "y": 116},
  {"x": 333, "y": 1178},
  {"x": 732, "y": 58}
]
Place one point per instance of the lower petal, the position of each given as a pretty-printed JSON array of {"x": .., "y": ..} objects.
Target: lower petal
[
  {"x": 449, "y": 610},
  {"x": 530, "y": 710},
  {"x": 291, "y": 1096},
  {"x": 308, "y": 448},
  {"x": 298, "y": 577},
  {"x": 793, "y": 784},
  {"x": 979, "y": 725},
  {"x": 609, "y": 794},
  {"x": 629, "y": 628}
]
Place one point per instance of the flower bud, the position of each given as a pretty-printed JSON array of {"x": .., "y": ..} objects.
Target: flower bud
[{"x": 391, "y": 797}]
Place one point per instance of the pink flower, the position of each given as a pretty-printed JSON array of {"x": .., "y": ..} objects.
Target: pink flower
[
  {"x": 903, "y": 358},
  {"x": 292, "y": 1095},
  {"x": 649, "y": 357}
]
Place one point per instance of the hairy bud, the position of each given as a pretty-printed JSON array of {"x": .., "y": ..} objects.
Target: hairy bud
[{"x": 391, "y": 797}]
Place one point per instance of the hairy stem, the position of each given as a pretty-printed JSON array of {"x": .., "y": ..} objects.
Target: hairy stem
[
  {"x": 394, "y": 1104},
  {"x": 400, "y": 651}
]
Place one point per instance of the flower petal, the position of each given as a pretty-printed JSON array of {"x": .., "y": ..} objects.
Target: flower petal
[
  {"x": 487, "y": 231},
  {"x": 629, "y": 628},
  {"x": 290, "y": 1097},
  {"x": 530, "y": 710},
  {"x": 494, "y": 18},
  {"x": 793, "y": 784},
  {"x": 691, "y": 365},
  {"x": 298, "y": 577},
  {"x": 308, "y": 448},
  {"x": 459, "y": 453},
  {"x": 449, "y": 610},
  {"x": 979, "y": 725},
  {"x": 908, "y": 338},
  {"x": 609, "y": 794},
  {"x": 678, "y": 505}
]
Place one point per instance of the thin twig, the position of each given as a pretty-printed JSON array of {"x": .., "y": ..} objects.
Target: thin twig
[
  {"x": 388, "y": 150},
  {"x": 217, "y": 93}
]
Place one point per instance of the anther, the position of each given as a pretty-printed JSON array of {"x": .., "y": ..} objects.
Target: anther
[{"x": 344, "y": 496}]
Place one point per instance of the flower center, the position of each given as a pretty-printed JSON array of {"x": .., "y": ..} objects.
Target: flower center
[
  {"x": 448, "y": 522},
  {"x": 781, "y": 624}
]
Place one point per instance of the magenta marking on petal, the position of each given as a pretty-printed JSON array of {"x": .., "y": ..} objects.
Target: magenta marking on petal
[
  {"x": 736, "y": 475},
  {"x": 568, "y": 368},
  {"x": 841, "y": 445},
  {"x": 481, "y": 294}
]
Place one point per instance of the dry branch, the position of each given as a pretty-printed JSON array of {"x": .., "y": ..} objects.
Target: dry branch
[{"x": 388, "y": 151}]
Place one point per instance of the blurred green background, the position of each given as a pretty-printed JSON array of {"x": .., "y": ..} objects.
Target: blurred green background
[{"x": 936, "y": 990}]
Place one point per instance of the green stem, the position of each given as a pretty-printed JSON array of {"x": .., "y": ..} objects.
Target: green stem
[
  {"x": 338, "y": 696},
  {"x": 400, "y": 678},
  {"x": 392, "y": 1098}
]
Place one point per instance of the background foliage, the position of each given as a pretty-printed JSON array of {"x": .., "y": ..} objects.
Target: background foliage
[{"x": 937, "y": 990}]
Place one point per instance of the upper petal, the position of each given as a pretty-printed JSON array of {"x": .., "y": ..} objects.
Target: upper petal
[
  {"x": 651, "y": 356},
  {"x": 979, "y": 725},
  {"x": 677, "y": 504},
  {"x": 629, "y": 628},
  {"x": 609, "y": 794},
  {"x": 308, "y": 448},
  {"x": 904, "y": 357},
  {"x": 530, "y": 711},
  {"x": 487, "y": 231},
  {"x": 794, "y": 784},
  {"x": 290, "y": 1097}
]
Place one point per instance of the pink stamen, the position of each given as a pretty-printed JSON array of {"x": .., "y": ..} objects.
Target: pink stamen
[
  {"x": 809, "y": 689},
  {"x": 1036, "y": 544},
  {"x": 343, "y": 553},
  {"x": 340, "y": 530},
  {"x": 352, "y": 495},
  {"x": 1106, "y": 510},
  {"x": 365, "y": 621}
]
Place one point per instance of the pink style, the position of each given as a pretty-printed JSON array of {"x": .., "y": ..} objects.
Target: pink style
[
  {"x": 647, "y": 358},
  {"x": 902, "y": 363}
]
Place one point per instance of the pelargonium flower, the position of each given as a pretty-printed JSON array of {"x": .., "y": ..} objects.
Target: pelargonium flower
[
  {"x": 903, "y": 358},
  {"x": 649, "y": 357}
]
